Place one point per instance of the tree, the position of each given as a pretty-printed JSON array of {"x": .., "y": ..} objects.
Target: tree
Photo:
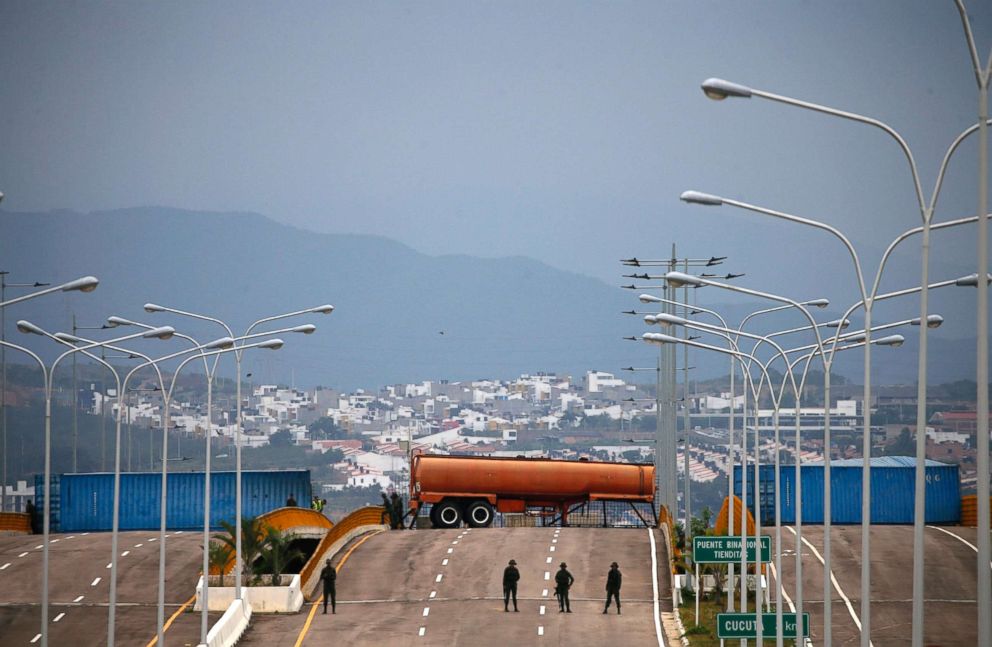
[
  {"x": 278, "y": 552},
  {"x": 252, "y": 543},
  {"x": 219, "y": 556},
  {"x": 325, "y": 428},
  {"x": 904, "y": 445},
  {"x": 281, "y": 439}
]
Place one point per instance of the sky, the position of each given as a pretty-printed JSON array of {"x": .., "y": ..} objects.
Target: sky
[{"x": 561, "y": 131}]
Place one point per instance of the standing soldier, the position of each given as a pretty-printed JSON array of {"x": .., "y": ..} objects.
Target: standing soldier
[
  {"x": 563, "y": 582},
  {"x": 329, "y": 576},
  {"x": 510, "y": 578},
  {"x": 398, "y": 511},
  {"x": 291, "y": 501},
  {"x": 387, "y": 510},
  {"x": 613, "y": 579}
]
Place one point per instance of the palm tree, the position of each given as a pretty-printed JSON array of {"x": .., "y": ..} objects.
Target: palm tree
[
  {"x": 278, "y": 552},
  {"x": 252, "y": 544},
  {"x": 220, "y": 555}
]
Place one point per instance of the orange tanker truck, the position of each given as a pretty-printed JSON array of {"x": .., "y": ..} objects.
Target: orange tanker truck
[{"x": 470, "y": 488}]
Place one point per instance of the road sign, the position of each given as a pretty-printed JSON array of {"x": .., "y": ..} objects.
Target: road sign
[
  {"x": 727, "y": 550},
  {"x": 743, "y": 625}
]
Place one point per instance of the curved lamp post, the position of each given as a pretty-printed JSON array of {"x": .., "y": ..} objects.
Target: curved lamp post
[
  {"x": 321, "y": 309},
  {"x": 164, "y": 332}
]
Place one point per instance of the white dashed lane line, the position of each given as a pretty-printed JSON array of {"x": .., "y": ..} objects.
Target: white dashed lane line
[
  {"x": 432, "y": 595},
  {"x": 39, "y": 546},
  {"x": 138, "y": 545},
  {"x": 439, "y": 577},
  {"x": 444, "y": 562},
  {"x": 79, "y": 599},
  {"x": 54, "y": 541},
  {"x": 24, "y": 554},
  {"x": 427, "y": 611},
  {"x": 125, "y": 553},
  {"x": 451, "y": 550},
  {"x": 549, "y": 561},
  {"x": 36, "y": 639},
  {"x": 59, "y": 617},
  {"x": 95, "y": 582},
  {"x": 547, "y": 575},
  {"x": 540, "y": 631},
  {"x": 423, "y": 630},
  {"x": 4, "y": 567}
]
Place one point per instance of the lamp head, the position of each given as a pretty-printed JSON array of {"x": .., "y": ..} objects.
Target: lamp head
[
  {"x": 971, "y": 280},
  {"x": 680, "y": 280},
  {"x": 934, "y": 321},
  {"x": 152, "y": 307},
  {"x": 855, "y": 338},
  {"x": 718, "y": 89},
  {"x": 85, "y": 284},
  {"x": 223, "y": 342},
  {"x": 306, "y": 329},
  {"x": 818, "y": 303},
  {"x": 658, "y": 338},
  {"x": 325, "y": 309},
  {"x": 163, "y": 332},
  {"x": 649, "y": 298},
  {"x": 27, "y": 327},
  {"x": 837, "y": 323},
  {"x": 892, "y": 340},
  {"x": 697, "y": 197},
  {"x": 664, "y": 319},
  {"x": 114, "y": 321},
  {"x": 67, "y": 338},
  {"x": 272, "y": 344}
]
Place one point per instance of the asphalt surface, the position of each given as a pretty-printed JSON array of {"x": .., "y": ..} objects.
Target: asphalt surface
[
  {"x": 444, "y": 587},
  {"x": 79, "y": 588},
  {"x": 950, "y": 609}
]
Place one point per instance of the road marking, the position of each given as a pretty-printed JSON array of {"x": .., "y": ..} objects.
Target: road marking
[
  {"x": 153, "y": 539},
  {"x": 36, "y": 639},
  {"x": 654, "y": 589},
  {"x": 39, "y": 546},
  {"x": 438, "y": 578},
  {"x": 59, "y": 617},
  {"x": 85, "y": 533},
  {"x": 552, "y": 549},
  {"x": 788, "y": 600},
  {"x": 24, "y": 554},
  {"x": 71, "y": 537},
  {"x": 542, "y": 610},
  {"x": 313, "y": 607},
  {"x": 431, "y": 596},
  {"x": 554, "y": 541},
  {"x": 178, "y": 532},
  {"x": 427, "y": 611},
  {"x": 959, "y": 538},
  {"x": 544, "y": 593},
  {"x": 138, "y": 545},
  {"x": 540, "y": 631},
  {"x": 549, "y": 561},
  {"x": 444, "y": 562},
  {"x": 547, "y": 575},
  {"x": 451, "y": 550},
  {"x": 54, "y": 541},
  {"x": 95, "y": 582},
  {"x": 125, "y": 553},
  {"x": 172, "y": 618},
  {"x": 109, "y": 564},
  {"x": 79, "y": 599},
  {"x": 422, "y": 631},
  {"x": 833, "y": 580},
  {"x": 4, "y": 567},
  {"x": 455, "y": 542}
]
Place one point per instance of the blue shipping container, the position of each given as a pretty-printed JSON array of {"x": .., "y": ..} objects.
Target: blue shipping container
[
  {"x": 892, "y": 491},
  {"x": 84, "y": 502}
]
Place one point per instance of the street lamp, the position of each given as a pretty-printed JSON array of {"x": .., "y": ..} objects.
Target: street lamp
[
  {"x": 325, "y": 309},
  {"x": 164, "y": 332}
]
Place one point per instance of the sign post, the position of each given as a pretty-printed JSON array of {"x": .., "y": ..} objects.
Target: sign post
[{"x": 744, "y": 625}]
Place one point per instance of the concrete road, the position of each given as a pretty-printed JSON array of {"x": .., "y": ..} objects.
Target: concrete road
[
  {"x": 79, "y": 587},
  {"x": 950, "y": 609},
  {"x": 444, "y": 587}
]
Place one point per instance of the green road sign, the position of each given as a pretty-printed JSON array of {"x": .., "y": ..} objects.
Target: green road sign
[
  {"x": 743, "y": 625},
  {"x": 727, "y": 550}
]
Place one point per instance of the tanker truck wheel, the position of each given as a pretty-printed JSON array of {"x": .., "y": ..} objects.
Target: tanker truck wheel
[
  {"x": 448, "y": 514},
  {"x": 479, "y": 514}
]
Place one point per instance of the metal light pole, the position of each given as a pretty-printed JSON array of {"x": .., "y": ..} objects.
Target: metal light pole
[
  {"x": 323, "y": 309},
  {"x": 3, "y": 374}
]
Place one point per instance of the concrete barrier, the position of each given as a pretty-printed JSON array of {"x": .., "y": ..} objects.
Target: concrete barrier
[
  {"x": 227, "y": 631},
  {"x": 261, "y": 599}
]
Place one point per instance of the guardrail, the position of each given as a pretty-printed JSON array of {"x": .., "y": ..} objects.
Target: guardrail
[
  {"x": 15, "y": 522},
  {"x": 969, "y": 510},
  {"x": 357, "y": 522}
]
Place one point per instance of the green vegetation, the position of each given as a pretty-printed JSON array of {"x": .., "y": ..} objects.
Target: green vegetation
[{"x": 264, "y": 550}]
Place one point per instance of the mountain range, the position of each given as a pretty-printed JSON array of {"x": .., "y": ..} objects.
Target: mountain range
[{"x": 400, "y": 315}]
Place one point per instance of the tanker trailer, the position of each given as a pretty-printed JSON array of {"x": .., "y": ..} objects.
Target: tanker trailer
[{"x": 471, "y": 488}]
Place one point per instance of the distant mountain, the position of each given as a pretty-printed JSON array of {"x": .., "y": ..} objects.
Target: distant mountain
[{"x": 401, "y": 316}]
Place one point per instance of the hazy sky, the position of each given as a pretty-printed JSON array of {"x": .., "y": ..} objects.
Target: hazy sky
[{"x": 563, "y": 131}]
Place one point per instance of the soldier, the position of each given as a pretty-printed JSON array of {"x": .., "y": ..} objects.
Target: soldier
[
  {"x": 329, "y": 576},
  {"x": 291, "y": 501},
  {"x": 387, "y": 511},
  {"x": 510, "y": 578},
  {"x": 613, "y": 579},
  {"x": 398, "y": 512},
  {"x": 563, "y": 582}
]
